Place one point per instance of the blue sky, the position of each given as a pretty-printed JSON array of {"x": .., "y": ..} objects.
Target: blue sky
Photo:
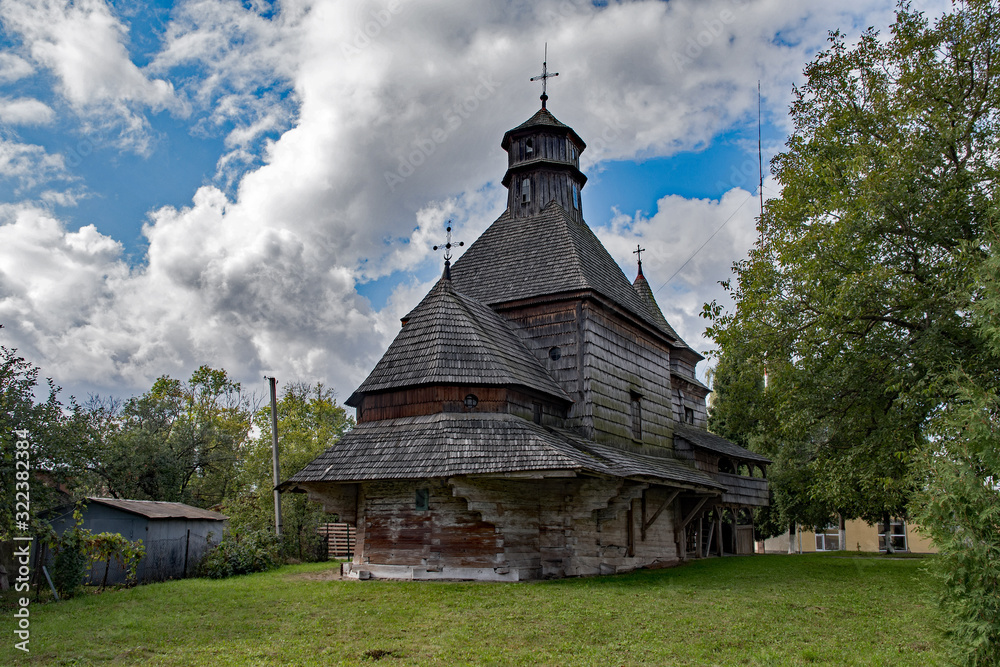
[{"x": 254, "y": 185}]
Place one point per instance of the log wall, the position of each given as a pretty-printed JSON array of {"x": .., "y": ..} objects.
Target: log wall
[
  {"x": 435, "y": 399},
  {"x": 621, "y": 360},
  {"x": 543, "y": 327},
  {"x": 488, "y": 528}
]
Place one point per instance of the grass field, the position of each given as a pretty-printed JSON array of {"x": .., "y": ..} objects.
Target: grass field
[{"x": 760, "y": 610}]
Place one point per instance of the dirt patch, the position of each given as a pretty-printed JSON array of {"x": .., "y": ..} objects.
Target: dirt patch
[{"x": 333, "y": 574}]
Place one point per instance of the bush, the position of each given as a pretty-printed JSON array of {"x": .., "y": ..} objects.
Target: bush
[
  {"x": 241, "y": 553},
  {"x": 960, "y": 508},
  {"x": 70, "y": 564}
]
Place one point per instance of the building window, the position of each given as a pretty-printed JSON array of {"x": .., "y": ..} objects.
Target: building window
[
  {"x": 636, "y": 414},
  {"x": 576, "y": 196},
  {"x": 688, "y": 416},
  {"x": 529, "y": 146},
  {"x": 423, "y": 500},
  {"x": 898, "y": 530},
  {"x": 572, "y": 152},
  {"x": 828, "y": 537},
  {"x": 525, "y": 191},
  {"x": 536, "y": 413}
]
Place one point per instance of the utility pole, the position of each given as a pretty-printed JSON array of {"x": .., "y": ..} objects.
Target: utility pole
[{"x": 274, "y": 452}]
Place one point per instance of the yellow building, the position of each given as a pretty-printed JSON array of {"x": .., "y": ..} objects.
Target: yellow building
[{"x": 854, "y": 535}]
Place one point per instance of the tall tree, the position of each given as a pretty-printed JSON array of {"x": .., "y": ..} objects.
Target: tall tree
[
  {"x": 178, "y": 441},
  {"x": 856, "y": 303},
  {"x": 871, "y": 303},
  {"x": 44, "y": 425}
]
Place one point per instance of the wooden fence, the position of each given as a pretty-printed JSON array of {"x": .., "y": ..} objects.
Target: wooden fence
[{"x": 339, "y": 539}]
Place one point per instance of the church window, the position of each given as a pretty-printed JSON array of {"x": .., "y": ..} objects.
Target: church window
[
  {"x": 555, "y": 353},
  {"x": 526, "y": 191},
  {"x": 529, "y": 146},
  {"x": 688, "y": 416},
  {"x": 576, "y": 196},
  {"x": 572, "y": 152},
  {"x": 536, "y": 413},
  {"x": 423, "y": 500},
  {"x": 636, "y": 414}
]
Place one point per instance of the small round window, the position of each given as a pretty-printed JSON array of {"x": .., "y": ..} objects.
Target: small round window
[
  {"x": 555, "y": 353},
  {"x": 471, "y": 401}
]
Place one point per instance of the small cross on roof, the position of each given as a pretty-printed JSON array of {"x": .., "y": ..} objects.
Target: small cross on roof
[
  {"x": 544, "y": 76},
  {"x": 638, "y": 252}
]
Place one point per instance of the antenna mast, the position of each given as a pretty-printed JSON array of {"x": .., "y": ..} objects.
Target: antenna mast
[{"x": 760, "y": 167}]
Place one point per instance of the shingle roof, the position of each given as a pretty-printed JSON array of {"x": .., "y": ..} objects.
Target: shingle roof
[
  {"x": 542, "y": 118},
  {"x": 156, "y": 509},
  {"x": 645, "y": 292},
  {"x": 446, "y": 444},
  {"x": 450, "y": 338},
  {"x": 520, "y": 258},
  {"x": 699, "y": 437}
]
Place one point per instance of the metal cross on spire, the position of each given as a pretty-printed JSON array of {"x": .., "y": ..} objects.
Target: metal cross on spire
[
  {"x": 544, "y": 76},
  {"x": 638, "y": 252},
  {"x": 447, "y": 252}
]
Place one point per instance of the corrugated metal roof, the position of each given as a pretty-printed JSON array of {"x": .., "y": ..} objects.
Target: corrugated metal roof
[
  {"x": 450, "y": 338},
  {"x": 156, "y": 509},
  {"x": 699, "y": 437},
  {"x": 445, "y": 444},
  {"x": 550, "y": 253}
]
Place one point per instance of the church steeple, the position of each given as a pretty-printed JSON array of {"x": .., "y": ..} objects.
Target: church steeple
[
  {"x": 543, "y": 165},
  {"x": 543, "y": 161}
]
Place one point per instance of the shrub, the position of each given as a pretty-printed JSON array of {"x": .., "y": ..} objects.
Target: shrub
[
  {"x": 70, "y": 564},
  {"x": 241, "y": 553},
  {"x": 113, "y": 546}
]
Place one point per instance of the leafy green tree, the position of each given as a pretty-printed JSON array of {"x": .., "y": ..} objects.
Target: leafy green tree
[
  {"x": 309, "y": 422},
  {"x": 871, "y": 303},
  {"x": 959, "y": 496},
  {"x": 48, "y": 429},
  {"x": 856, "y": 303},
  {"x": 177, "y": 442}
]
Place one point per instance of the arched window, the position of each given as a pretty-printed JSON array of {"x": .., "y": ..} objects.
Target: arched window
[
  {"x": 529, "y": 146},
  {"x": 525, "y": 191},
  {"x": 576, "y": 196}
]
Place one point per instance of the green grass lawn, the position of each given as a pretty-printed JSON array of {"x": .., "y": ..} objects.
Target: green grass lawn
[{"x": 759, "y": 610}]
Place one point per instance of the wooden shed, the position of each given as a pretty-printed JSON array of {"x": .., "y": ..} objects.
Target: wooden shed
[
  {"x": 536, "y": 416},
  {"x": 175, "y": 535}
]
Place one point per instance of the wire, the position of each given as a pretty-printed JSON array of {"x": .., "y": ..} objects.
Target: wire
[{"x": 695, "y": 253}]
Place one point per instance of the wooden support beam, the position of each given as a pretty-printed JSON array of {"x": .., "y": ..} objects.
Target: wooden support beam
[
  {"x": 708, "y": 538},
  {"x": 701, "y": 535},
  {"x": 718, "y": 534},
  {"x": 646, "y": 523},
  {"x": 694, "y": 512}
]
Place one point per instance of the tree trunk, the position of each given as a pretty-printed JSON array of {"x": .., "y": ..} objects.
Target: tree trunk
[
  {"x": 107, "y": 564},
  {"x": 791, "y": 537},
  {"x": 843, "y": 533},
  {"x": 888, "y": 535}
]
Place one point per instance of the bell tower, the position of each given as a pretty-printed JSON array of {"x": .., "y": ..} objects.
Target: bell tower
[{"x": 543, "y": 163}]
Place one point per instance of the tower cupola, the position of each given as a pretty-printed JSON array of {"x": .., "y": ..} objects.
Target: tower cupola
[{"x": 543, "y": 165}]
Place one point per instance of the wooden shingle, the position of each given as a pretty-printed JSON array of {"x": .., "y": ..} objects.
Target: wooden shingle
[{"x": 450, "y": 338}]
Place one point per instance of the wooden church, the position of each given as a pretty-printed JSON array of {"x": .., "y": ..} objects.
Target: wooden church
[{"x": 536, "y": 416}]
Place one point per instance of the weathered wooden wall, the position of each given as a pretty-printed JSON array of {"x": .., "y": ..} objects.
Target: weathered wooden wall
[
  {"x": 496, "y": 528},
  {"x": 688, "y": 395},
  {"x": 435, "y": 399},
  {"x": 620, "y": 359},
  {"x": 549, "y": 182},
  {"x": 743, "y": 490},
  {"x": 558, "y": 324}
]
